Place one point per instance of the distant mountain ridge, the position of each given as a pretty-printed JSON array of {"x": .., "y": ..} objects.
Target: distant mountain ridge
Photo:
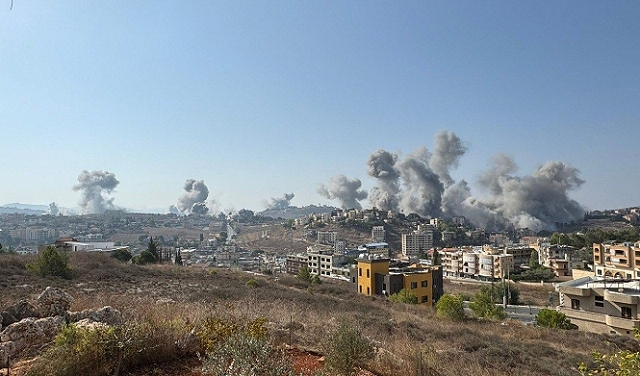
[{"x": 17, "y": 208}]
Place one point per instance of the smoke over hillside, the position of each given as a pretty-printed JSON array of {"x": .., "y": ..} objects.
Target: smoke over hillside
[
  {"x": 279, "y": 203},
  {"x": 93, "y": 185},
  {"x": 193, "y": 200},
  {"x": 346, "y": 190},
  {"x": 421, "y": 183}
]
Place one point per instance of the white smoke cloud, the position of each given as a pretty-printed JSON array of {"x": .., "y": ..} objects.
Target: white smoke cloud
[
  {"x": 279, "y": 203},
  {"x": 93, "y": 185}
]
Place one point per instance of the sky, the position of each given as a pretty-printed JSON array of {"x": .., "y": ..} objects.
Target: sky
[{"x": 258, "y": 99}]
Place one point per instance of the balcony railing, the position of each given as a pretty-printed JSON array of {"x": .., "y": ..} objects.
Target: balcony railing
[{"x": 622, "y": 323}]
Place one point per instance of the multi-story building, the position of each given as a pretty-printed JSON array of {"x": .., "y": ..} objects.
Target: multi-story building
[
  {"x": 323, "y": 262},
  {"x": 485, "y": 263},
  {"x": 617, "y": 260},
  {"x": 376, "y": 277},
  {"x": 560, "y": 258},
  {"x": 295, "y": 262},
  {"x": 417, "y": 243},
  {"x": 380, "y": 249},
  {"x": 378, "y": 234},
  {"x": 598, "y": 305},
  {"x": 327, "y": 237},
  {"x": 451, "y": 260}
]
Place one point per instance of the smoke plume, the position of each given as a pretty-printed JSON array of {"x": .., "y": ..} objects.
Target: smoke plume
[
  {"x": 53, "y": 209},
  {"x": 421, "y": 183},
  {"x": 193, "y": 200},
  {"x": 279, "y": 203},
  {"x": 93, "y": 185},
  {"x": 346, "y": 190}
]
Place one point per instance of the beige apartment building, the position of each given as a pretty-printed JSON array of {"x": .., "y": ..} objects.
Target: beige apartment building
[{"x": 620, "y": 260}]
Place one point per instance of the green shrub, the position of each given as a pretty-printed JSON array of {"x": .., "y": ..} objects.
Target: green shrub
[
  {"x": 483, "y": 305},
  {"x": 549, "y": 318},
  {"x": 345, "y": 348},
  {"x": 121, "y": 254},
  {"x": 50, "y": 262},
  {"x": 145, "y": 257},
  {"x": 244, "y": 355},
  {"x": 252, "y": 283},
  {"x": 450, "y": 307},
  {"x": 404, "y": 296}
]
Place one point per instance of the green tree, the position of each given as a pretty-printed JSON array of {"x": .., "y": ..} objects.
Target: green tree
[
  {"x": 154, "y": 248},
  {"x": 315, "y": 280},
  {"x": 435, "y": 258},
  {"x": 144, "y": 258},
  {"x": 304, "y": 274},
  {"x": 482, "y": 304},
  {"x": 549, "y": 318},
  {"x": 450, "y": 307},
  {"x": 404, "y": 296},
  {"x": 533, "y": 260},
  {"x": 122, "y": 254},
  {"x": 50, "y": 262}
]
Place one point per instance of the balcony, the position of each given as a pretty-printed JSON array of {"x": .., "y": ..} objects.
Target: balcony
[
  {"x": 619, "y": 297},
  {"x": 622, "y": 323},
  {"x": 582, "y": 315},
  {"x": 575, "y": 291}
]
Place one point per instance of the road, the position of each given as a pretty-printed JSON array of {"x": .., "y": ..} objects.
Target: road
[{"x": 524, "y": 313}]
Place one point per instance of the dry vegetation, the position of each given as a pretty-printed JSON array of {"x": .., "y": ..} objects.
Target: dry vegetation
[{"x": 409, "y": 340}]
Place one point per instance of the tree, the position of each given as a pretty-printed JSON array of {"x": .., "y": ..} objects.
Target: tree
[
  {"x": 549, "y": 318},
  {"x": 304, "y": 274},
  {"x": 50, "y": 262},
  {"x": 533, "y": 260},
  {"x": 144, "y": 258},
  {"x": 482, "y": 304},
  {"x": 155, "y": 250},
  {"x": 451, "y": 307},
  {"x": 435, "y": 258},
  {"x": 404, "y": 296},
  {"x": 121, "y": 254},
  {"x": 621, "y": 363},
  {"x": 315, "y": 280}
]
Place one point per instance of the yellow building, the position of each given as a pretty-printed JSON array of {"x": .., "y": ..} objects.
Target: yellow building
[
  {"x": 375, "y": 277},
  {"x": 368, "y": 268}
]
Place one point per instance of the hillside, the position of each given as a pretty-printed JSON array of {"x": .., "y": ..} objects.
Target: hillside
[{"x": 408, "y": 338}]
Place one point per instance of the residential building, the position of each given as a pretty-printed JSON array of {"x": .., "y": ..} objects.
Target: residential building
[
  {"x": 617, "y": 260},
  {"x": 327, "y": 237},
  {"x": 295, "y": 262},
  {"x": 417, "y": 243},
  {"x": 602, "y": 305},
  {"x": 484, "y": 263},
  {"x": 376, "y": 277},
  {"x": 322, "y": 263},
  {"x": 378, "y": 234},
  {"x": 380, "y": 249}
]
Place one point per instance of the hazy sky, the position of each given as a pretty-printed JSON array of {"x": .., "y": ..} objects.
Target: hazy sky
[{"x": 259, "y": 98}]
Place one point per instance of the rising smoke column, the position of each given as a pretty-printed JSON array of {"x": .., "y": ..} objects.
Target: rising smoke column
[
  {"x": 53, "y": 209},
  {"x": 346, "y": 190},
  {"x": 92, "y": 185},
  {"x": 422, "y": 193},
  {"x": 193, "y": 200},
  {"x": 447, "y": 153},
  {"x": 381, "y": 165},
  {"x": 279, "y": 203}
]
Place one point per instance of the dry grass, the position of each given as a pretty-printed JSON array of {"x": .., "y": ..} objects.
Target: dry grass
[{"x": 410, "y": 339}]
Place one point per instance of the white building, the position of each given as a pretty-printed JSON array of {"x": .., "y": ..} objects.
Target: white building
[
  {"x": 415, "y": 243},
  {"x": 378, "y": 234}
]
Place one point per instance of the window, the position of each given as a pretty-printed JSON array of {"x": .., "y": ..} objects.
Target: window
[
  {"x": 368, "y": 273},
  {"x": 414, "y": 285},
  {"x": 360, "y": 273},
  {"x": 599, "y": 271},
  {"x": 368, "y": 291},
  {"x": 599, "y": 301},
  {"x": 423, "y": 284},
  {"x": 360, "y": 289},
  {"x": 626, "y": 312},
  {"x": 425, "y": 299},
  {"x": 575, "y": 304}
]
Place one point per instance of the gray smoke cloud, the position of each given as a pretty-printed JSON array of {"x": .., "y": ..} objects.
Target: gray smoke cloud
[
  {"x": 174, "y": 210},
  {"x": 381, "y": 165},
  {"x": 193, "y": 200},
  {"x": 93, "y": 185},
  {"x": 345, "y": 190},
  {"x": 421, "y": 183},
  {"x": 279, "y": 203},
  {"x": 53, "y": 209}
]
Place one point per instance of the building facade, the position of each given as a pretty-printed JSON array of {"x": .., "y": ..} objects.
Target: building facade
[{"x": 417, "y": 243}]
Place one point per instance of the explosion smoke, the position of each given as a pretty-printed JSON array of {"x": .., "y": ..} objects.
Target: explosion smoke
[
  {"x": 193, "y": 201},
  {"x": 53, "y": 209},
  {"x": 92, "y": 185},
  {"x": 280, "y": 203},
  {"x": 346, "y": 190},
  {"x": 421, "y": 183}
]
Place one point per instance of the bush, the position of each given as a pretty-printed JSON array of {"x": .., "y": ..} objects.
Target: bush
[
  {"x": 548, "y": 318},
  {"x": 244, "y": 355},
  {"x": 121, "y": 254},
  {"x": 346, "y": 348},
  {"x": 145, "y": 257},
  {"x": 404, "y": 296},
  {"x": 53, "y": 263},
  {"x": 483, "y": 305},
  {"x": 450, "y": 307},
  {"x": 103, "y": 350}
]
